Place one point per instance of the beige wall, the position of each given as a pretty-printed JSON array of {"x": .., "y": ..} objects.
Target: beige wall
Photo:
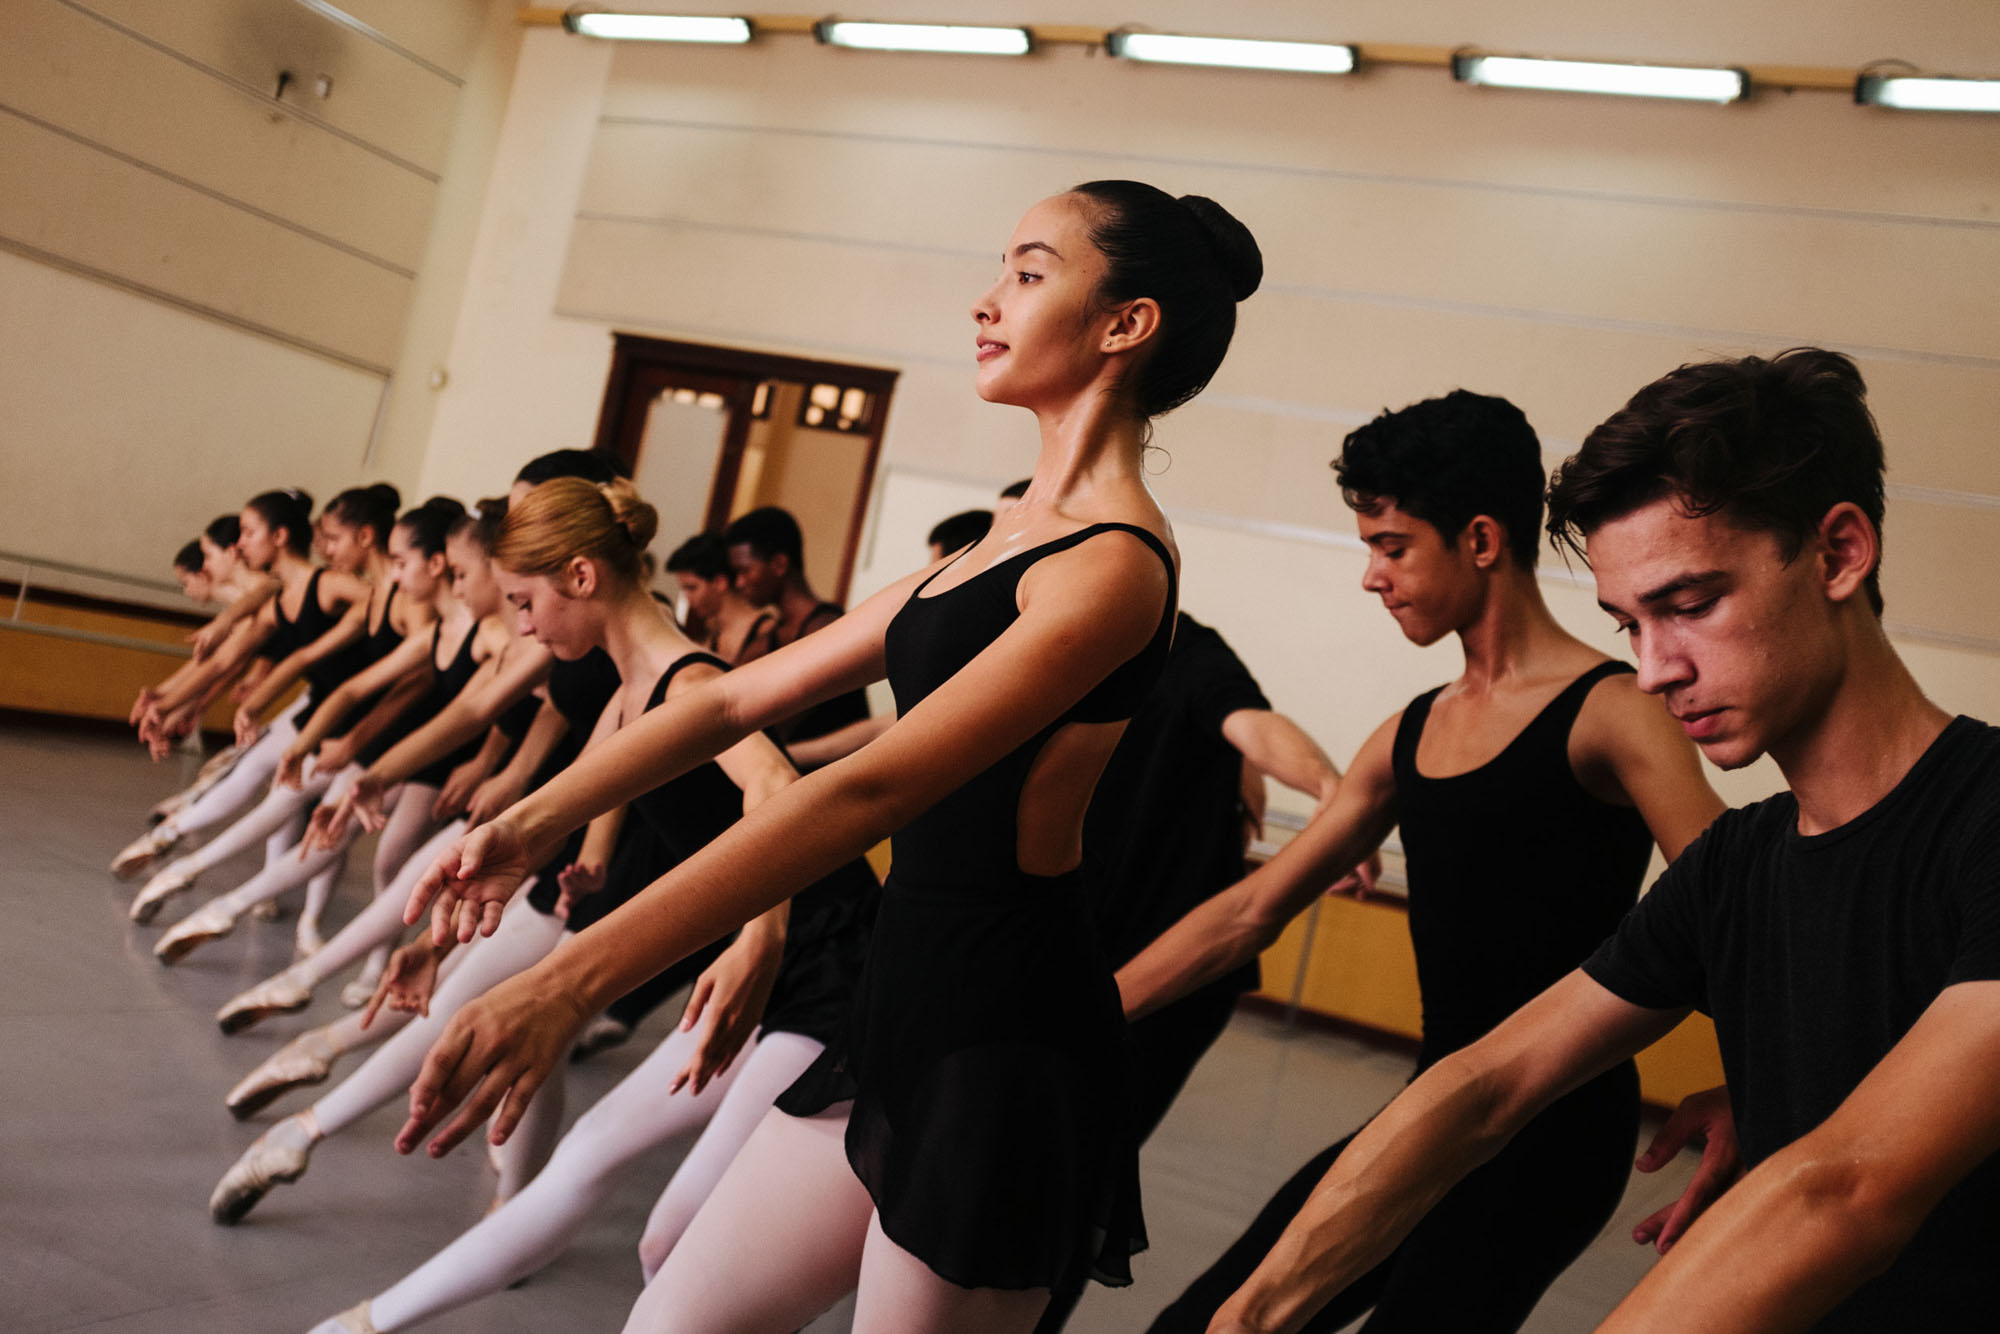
[
  {"x": 206, "y": 289},
  {"x": 1418, "y": 235}
]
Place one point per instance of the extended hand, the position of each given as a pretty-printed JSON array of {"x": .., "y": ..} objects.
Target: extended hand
[
  {"x": 733, "y": 991},
  {"x": 1702, "y": 1118},
  {"x": 408, "y": 981},
  {"x": 466, "y": 889},
  {"x": 457, "y": 791},
  {"x": 495, "y": 1053},
  {"x": 578, "y": 880}
]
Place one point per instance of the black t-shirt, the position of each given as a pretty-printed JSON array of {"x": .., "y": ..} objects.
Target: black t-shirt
[
  {"x": 1815, "y": 955},
  {"x": 1165, "y": 829}
]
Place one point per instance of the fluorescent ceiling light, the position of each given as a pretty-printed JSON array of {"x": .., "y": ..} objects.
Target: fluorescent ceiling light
[
  {"x": 1906, "y": 93},
  {"x": 658, "y": 27},
  {"x": 952, "y": 38},
  {"x": 1588, "y": 76},
  {"x": 1235, "y": 52}
]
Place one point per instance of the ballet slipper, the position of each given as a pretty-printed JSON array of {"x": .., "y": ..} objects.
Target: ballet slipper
[
  {"x": 307, "y": 1059},
  {"x": 281, "y": 994},
  {"x": 267, "y": 911},
  {"x": 146, "y": 906},
  {"x": 144, "y": 850},
  {"x": 211, "y": 922},
  {"x": 354, "y": 1320},
  {"x": 276, "y": 1158},
  {"x": 600, "y": 1034}
]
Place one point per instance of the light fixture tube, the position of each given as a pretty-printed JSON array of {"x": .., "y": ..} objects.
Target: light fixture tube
[
  {"x": 1910, "y": 93},
  {"x": 657, "y": 27},
  {"x": 1232, "y": 52},
  {"x": 1590, "y": 76},
  {"x": 949, "y": 38}
]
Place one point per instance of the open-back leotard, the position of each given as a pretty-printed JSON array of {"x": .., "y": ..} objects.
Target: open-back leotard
[{"x": 985, "y": 1060}]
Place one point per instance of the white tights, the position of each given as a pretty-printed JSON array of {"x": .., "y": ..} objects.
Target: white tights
[
  {"x": 409, "y": 825},
  {"x": 246, "y": 780},
  {"x": 787, "y": 1232},
  {"x": 523, "y": 939},
  {"x": 377, "y": 925},
  {"x": 279, "y": 820},
  {"x": 634, "y": 1118}
]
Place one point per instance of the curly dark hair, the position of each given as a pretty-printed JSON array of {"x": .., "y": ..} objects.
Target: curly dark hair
[
  {"x": 1772, "y": 443},
  {"x": 1448, "y": 460}
]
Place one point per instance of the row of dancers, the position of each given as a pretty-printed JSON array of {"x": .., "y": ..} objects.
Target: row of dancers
[{"x": 932, "y": 1091}]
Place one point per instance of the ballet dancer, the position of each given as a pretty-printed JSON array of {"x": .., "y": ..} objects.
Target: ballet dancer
[
  {"x": 725, "y": 622},
  {"x": 311, "y": 612},
  {"x": 412, "y": 677},
  {"x": 1529, "y": 792},
  {"x": 563, "y": 527},
  {"x": 1843, "y": 934},
  {"x": 767, "y": 552},
  {"x": 691, "y": 1079},
  {"x": 978, "y": 1089}
]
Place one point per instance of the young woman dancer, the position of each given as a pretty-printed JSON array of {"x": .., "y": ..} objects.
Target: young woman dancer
[
  {"x": 208, "y": 571},
  {"x": 414, "y": 676},
  {"x": 590, "y": 541},
  {"x": 978, "y": 1090},
  {"x": 311, "y": 613},
  {"x": 690, "y": 1078}
]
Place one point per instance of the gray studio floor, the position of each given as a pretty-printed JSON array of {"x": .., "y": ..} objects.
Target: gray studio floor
[{"x": 112, "y": 1131}]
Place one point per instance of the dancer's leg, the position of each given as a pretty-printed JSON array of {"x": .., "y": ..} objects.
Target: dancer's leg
[
  {"x": 279, "y": 809},
  {"x": 779, "y": 1240},
  {"x": 409, "y": 827},
  {"x": 901, "y": 1295},
  {"x": 521, "y": 1159},
  {"x": 377, "y": 925},
  {"x": 248, "y": 778},
  {"x": 534, "y": 1227},
  {"x": 523, "y": 939},
  {"x": 760, "y": 1075}
]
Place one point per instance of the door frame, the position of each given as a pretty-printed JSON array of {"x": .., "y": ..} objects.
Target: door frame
[{"x": 643, "y": 366}]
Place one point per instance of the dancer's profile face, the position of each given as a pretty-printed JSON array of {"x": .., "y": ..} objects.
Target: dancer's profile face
[
  {"x": 1428, "y": 584},
  {"x": 1743, "y": 645},
  {"x": 542, "y": 610},
  {"x": 703, "y": 596},
  {"x": 472, "y": 575},
  {"x": 415, "y": 573},
  {"x": 195, "y": 584},
  {"x": 344, "y": 545},
  {"x": 760, "y": 579},
  {"x": 255, "y": 541},
  {"x": 217, "y": 561},
  {"x": 1036, "y": 338}
]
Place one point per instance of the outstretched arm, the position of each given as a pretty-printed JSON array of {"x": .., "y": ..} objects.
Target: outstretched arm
[
  {"x": 1236, "y": 925},
  {"x": 1280, "y": 747},
  {"x": 1831, "y": 1210},
  {"x": 1082, "y": 615},
  {"x": 1454, "y": 1117}
]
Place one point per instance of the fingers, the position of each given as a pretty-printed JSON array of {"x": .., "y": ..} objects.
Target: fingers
[
  {"x": 704, "y": 987},
  {"x": 1670, "y": 1140},
  {"x": 430, "y": 885},
  {"x": 521, "y": 1092},
  {"x": 375, "y": 1001},
  {"x": 1650, "y": 1228},
  {"x": 489, "y": 918},
  {"x": 440, "y": 1084}
]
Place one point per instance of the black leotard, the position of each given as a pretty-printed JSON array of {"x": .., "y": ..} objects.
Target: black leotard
[
  {"x": 826, "y": 939},
  {"x": 828, "y": 715},
  {"x": 296, "y": 632},
  {"x": 986, "y": 1057},
  {"x": 445, "y": 687}
]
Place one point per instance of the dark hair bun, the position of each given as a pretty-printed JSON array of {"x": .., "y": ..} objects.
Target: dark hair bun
[
  {"x": 386, "y": 495},
  {"x": 1242, "y": 261},
  {"x": 300, "y": 494}
]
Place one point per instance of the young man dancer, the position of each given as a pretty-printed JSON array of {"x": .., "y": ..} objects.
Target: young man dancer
[
  {"x": 1529, "y": 792},
  {"x": 1844, "y": 934},
  {"x": 767, "y": 552}
]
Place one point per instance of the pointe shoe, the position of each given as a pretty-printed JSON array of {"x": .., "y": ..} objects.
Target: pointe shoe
[
  {"x": 600, "y": 1034},
  {"x": 281, "y": 994},
  {"x": 144, "y": 850},
  {"x": 354, "y": 1320},
  {"x": 267, "y": 1163},
  {"x": 267, "y": 911},
  {"x": 146, "y": 905},
  {"x": 361, "y": 990},
  {"x": 307, "y": 1059},
  {"x": 211, "y": 922}
]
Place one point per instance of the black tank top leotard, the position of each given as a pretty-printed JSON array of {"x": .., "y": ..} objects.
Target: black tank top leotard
[
  {"x": 446, "y": 686},
  {"x": 826, "y": 940},
  {"x": 297, "y": 632},
  {"x": 986, "y": 1057},
  {"x": 1516, "y": 872}
]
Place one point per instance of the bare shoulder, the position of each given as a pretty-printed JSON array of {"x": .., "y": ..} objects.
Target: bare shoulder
[
  {"x": 1617, "y": 715},
  {"x": 692, "y": 677}
]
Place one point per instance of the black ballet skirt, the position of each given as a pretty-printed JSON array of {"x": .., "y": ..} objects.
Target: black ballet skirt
[{"x": 986, "y": 1058}]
